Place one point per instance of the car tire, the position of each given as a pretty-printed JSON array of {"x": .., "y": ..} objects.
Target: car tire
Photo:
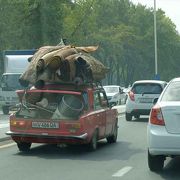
[
  {"x": 23, "y": 146},
  {"x": 113, "y": 138},
  {"x": 137, "y": 116},
  {"x": 155, "y": 162},
  {"x": 128, "y": 117},
  {"x": 5, "y": 110},
  {"x": 93, "y": 143}
]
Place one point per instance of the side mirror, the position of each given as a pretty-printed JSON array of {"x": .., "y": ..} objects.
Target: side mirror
[{"x": 155, "y": 100}]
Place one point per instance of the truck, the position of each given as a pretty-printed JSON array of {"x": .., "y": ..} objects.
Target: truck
[
  {"x": 14, "y": 63},
  {"x": 63, "y": 114}
]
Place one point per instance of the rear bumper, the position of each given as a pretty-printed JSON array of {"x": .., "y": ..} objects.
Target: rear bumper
[
  {"x": 138, "y": 108},
  {"x": 46, "y": 138},
  {"x": 160, "y": 142},
  {"x": 140, "y": 112}
]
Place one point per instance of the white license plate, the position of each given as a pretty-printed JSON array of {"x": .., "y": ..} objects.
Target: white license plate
[
  {"x": 145, "y": 100},
  {"x": 47, "y": 125}
]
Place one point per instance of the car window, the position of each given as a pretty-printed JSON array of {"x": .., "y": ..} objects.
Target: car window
[
  {"x": 172, "y": 92},
  {"x": 85, "y": 97},
  {"x": 47, "y": 105},
  {"x": 100, "y": 101},
  {"x": 103, "y": 99},
  {"x": 148, "y": 88},
  {"x": 97, "y": 104},
  {"x": 111, "y": 89}
]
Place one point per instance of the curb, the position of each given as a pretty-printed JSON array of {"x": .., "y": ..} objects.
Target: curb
[{"x": 5, "y": 138}]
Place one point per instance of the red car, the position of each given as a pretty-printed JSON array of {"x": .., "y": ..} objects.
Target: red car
[{"x": 63, "y": 114}]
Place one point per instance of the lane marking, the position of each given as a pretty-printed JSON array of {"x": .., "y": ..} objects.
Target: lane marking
[
  {"x": 122, "y": 171},
  {"x": 7, "y": 145}
]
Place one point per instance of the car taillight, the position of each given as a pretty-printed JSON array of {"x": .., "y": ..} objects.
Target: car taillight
[
  {"x": 156, "y": 116},
  {"x": 73, "y": 127},
  {"x": 131, "y": 95}
]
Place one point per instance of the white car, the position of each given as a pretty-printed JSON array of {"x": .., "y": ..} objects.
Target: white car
[
  {"x": 163, "y": 130},
  {"x": 140, "y": 97},
  {"x": 114, "y": 94}
]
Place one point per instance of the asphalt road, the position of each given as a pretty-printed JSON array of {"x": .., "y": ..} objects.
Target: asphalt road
[
  {"x": 4, "y": 126},
  {"x": 126, "y": 159}
]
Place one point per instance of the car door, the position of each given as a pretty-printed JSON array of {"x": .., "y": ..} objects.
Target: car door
[
  {"x": 107, "y": 115},
  {"x": 99, "y": 116}
]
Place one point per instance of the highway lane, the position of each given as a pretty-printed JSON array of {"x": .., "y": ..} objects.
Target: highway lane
[
  {"x": 4, "y": 126},
  {"x": 127, "y": 159}
]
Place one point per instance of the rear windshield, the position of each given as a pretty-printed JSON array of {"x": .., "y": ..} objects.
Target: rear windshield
[
  {"x": 42, "y": 105},
  {"x": 111, "y": 89},
  {"x": 172, "y": 92},
  {"x": 147, "y": 88}
]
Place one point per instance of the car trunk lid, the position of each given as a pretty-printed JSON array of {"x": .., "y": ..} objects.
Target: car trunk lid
[{"x": 171, "y": 115}]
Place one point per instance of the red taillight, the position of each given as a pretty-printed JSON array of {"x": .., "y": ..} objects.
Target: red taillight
[
  {"x": 156, "y": 116},
  {"x": 131, "y": 95}
]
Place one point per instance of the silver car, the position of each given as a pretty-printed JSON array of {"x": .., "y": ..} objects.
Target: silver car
[
  {"x": 163, "y": 130},
  {"x": 115, "y": 94},
  {"x": 140, "y": 97}
]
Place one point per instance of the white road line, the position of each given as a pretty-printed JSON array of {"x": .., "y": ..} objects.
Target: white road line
[
  {"x": 7, "y": 145},
  {"x": 122, "y": 171}
]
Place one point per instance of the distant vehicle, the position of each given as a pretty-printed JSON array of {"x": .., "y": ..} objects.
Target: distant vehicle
[
  {"x": 63, "y": 114},
  {"x": 115, "y": 94},
  {"x": 126, "y": 91},
  {"x": 140, "y": 97},
  {"x": 15, "y": 62},
  {"x": 163, "y": 130}
]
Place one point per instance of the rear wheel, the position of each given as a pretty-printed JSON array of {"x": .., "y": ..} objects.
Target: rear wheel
[
  {"x": 156, "y": 162},
  {"x": 23, "y": 146},
  {"x": 113, "y": 137},
  {"x": 137, "y": 116},
  {"x": 128, "y": 117},
  {"x": 93, "y": 143},
  {"x": 5, "y": 110}
]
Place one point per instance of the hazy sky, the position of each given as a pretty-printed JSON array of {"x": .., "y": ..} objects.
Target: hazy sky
[{"x": 170, "y": 7}]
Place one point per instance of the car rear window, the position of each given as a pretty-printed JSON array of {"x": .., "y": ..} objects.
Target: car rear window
[
  {"x": 111, "y": 89},
  {"x": 147, "y": 88},
  {"x": 45, "y": 105},
  {"x": 172, "y": 92}
]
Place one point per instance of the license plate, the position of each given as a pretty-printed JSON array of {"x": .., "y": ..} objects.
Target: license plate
[
  {"x": 47, "y": 125},
  {"x": 145, "y": 100}
]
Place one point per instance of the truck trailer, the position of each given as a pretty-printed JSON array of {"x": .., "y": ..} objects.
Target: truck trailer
[{"x": 14, "y": 64}]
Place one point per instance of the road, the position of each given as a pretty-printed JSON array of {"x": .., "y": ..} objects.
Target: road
[
  {"x": 126, "y": 160},
  {"x": 4, "y": 126}
]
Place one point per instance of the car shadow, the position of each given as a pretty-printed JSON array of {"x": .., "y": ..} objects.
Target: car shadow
[
  {"x": 171, "y": 170},
  {"x": 104, "y": 152}
]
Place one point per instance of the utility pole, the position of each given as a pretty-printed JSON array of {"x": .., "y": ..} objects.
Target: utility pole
[{"x": 155, "y": 43}]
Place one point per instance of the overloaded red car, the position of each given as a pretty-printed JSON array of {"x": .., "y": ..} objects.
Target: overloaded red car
[{"x": 64, "y": 113}]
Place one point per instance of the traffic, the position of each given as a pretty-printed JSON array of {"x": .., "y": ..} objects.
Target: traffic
[{"x": 89, "y": 90}]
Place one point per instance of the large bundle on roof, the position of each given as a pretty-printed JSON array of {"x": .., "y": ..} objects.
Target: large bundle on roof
[{"x": 59, "y": 64}]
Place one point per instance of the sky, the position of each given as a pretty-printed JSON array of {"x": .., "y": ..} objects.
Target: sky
[{"x": 170, "y": 7}]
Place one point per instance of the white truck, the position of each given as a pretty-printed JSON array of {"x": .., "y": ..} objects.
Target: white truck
[{"x": 14, "y": 63}]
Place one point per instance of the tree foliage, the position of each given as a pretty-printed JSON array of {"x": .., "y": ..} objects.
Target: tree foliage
[{"x": 123, "y": 31}]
